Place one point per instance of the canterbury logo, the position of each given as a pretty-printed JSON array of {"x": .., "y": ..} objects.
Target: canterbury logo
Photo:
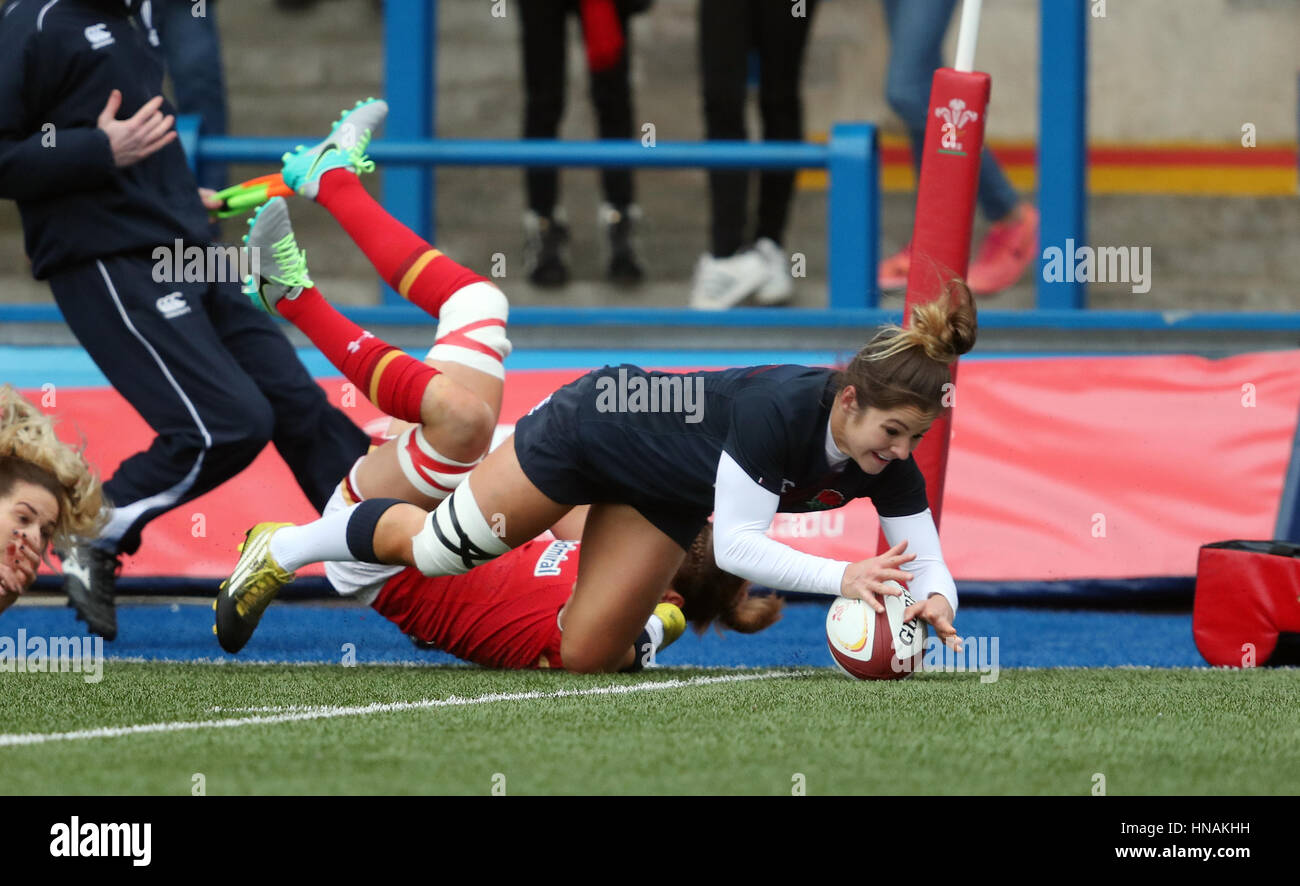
[
  {"x": 355, "y": 345},
  {"x": 99, "y": 36},
  {"x": 172, "y": 305}
]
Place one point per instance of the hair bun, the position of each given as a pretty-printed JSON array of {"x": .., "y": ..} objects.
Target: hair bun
[{"x": 946, "y": 327}]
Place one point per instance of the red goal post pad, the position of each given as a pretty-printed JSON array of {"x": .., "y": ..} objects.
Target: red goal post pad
[
  {"x": 949, "y": 181},
  {"x": 941, "y": 230},
  {"x": 1247, "y": 594}
]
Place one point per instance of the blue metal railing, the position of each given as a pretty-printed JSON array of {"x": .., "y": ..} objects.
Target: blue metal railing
[
  {"x": 410, "y": 150},
  {"x": 850, "y": 156}
]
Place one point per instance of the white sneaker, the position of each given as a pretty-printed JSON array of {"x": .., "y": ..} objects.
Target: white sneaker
[
  {"x": 780, "y": 285},
  {"x": 722, "y": 283}
]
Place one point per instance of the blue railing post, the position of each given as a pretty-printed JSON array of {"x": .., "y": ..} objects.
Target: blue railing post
[
  {"x": 1062, "y": 144},
  {"x": 187, "y": 133},
  {"x": 410, "y": 73},
  {"x": 853, "y": 215}
]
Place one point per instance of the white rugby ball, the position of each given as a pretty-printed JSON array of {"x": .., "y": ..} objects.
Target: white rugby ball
[{"x": 867, "y": 645}]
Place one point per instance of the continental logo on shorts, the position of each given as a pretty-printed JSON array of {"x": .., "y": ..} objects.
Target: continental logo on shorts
[{"x": 548, "y": 564}]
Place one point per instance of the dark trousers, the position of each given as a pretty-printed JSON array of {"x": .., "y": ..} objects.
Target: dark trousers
[
  {"x": 214, "y": 379},
  {"x": 729, "y": 29},
  {"x": 544, "y": 33}
]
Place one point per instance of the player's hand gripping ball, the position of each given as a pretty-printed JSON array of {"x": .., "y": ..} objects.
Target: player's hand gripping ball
[{"x": 867, "y": 645}]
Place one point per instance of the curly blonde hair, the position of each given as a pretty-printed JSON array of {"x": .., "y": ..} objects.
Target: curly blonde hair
[{"x": 30, "y": 450}]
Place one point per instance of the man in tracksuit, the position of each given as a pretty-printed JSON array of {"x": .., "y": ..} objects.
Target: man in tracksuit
[{"x": 88, "y": 150}]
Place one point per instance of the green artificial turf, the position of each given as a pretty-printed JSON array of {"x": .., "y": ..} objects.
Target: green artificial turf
[{"x": 1030, "y": 732}]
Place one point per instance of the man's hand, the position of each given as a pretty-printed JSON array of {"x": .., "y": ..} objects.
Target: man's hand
[
  {"x": 865, "y": 579},
  {"x": 140, "y": 136},
  {"x": 211, "y": 201},
  {"x": 938, "y": 612}
]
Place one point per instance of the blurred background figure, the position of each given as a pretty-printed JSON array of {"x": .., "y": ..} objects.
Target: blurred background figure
[
  {"x": 777, "y": 30},
  {"x": 192, "y": 50},
  {"x": 916, "y": 29},
  {"x": 543, "y": 38}
]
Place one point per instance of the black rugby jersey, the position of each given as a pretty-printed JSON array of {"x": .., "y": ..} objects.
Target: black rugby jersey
[{"x": 659, "y": 436}]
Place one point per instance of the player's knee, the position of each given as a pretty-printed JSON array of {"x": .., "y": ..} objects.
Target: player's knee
[
  {"x": 393, "y": 536},
  {"x": 456, "y": 536},
  {"x": 256, "y": 425},
  {"x": 582, "y": 657},
  {"x": 460, "y": 422}
]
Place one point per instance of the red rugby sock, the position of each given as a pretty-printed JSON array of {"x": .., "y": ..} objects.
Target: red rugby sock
[
  {"x": 418, "y": 271},
  {"x": 391, "y": 379}
]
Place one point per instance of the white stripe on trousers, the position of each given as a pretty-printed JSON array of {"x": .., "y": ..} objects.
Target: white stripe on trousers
[{"x": 125, "y": 517}]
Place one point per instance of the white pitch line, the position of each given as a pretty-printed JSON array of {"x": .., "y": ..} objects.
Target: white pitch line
[{"x": 296, "y": 713}]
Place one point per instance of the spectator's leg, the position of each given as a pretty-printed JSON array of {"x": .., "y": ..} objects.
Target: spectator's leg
[
  {"x": 318, "y": 442},
  {"x": 543, "y": 36},
  {"x": 725, "y": 38},
  {"x": 158, "y": 349},
  {"x": 997, "y": 196},
  {"x": 192, "y": 48},
  {"x": 611, "y": 95},
  {"x": 916, "y": 29},
  {"x": 782, "y": 38}
]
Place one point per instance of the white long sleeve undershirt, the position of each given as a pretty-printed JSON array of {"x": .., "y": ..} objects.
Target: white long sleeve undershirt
[{"x": 743, "y": 511}]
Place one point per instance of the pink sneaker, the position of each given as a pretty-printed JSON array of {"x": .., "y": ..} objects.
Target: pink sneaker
[
  {"x": 893, "y": 270},
  {"x": 1008, "y": 248}
]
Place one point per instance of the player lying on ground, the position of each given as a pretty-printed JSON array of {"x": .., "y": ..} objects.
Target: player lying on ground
[
  {"x": 451, "y": 402},
  {"x": 509, "y": 614},
  {"x": 759, "y": 440},
  {"x": 47, "y": 493}
]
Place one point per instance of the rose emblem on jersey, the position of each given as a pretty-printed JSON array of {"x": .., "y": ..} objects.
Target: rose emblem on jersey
[{"x": 826, "y": 499}]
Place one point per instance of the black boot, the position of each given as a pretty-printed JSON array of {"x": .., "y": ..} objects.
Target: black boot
[
  {"x": 545, "y": 250},
  {"x": 624, "y": 268},
  {"x": 89, "y": 579}
]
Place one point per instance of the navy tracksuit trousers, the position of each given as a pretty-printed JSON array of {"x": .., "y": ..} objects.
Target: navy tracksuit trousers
[{"x": 212, "y": 376}]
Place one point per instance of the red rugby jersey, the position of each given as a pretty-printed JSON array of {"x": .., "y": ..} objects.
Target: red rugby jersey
[{"x": 498, "y": 615}]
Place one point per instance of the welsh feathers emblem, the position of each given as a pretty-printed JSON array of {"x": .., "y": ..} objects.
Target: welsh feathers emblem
[{"x": 954, "y": 118}]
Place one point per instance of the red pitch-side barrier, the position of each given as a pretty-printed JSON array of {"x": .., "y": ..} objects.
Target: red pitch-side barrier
[{"x": 1061, "y": 468}]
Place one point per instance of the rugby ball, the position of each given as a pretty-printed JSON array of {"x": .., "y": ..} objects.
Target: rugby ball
[{"x": 867, "y": 645}]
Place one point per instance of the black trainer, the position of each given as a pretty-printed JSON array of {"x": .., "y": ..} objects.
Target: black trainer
[
  {"x": 624, "y": 269},
  {"x": 545, "y": 250},
  {"x": 89, "y": 577}
]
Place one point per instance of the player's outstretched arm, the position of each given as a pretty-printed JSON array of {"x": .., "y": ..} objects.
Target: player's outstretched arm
[
  {"x": 932, "y": 583},
  {"x": 743, "y": 511}
]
